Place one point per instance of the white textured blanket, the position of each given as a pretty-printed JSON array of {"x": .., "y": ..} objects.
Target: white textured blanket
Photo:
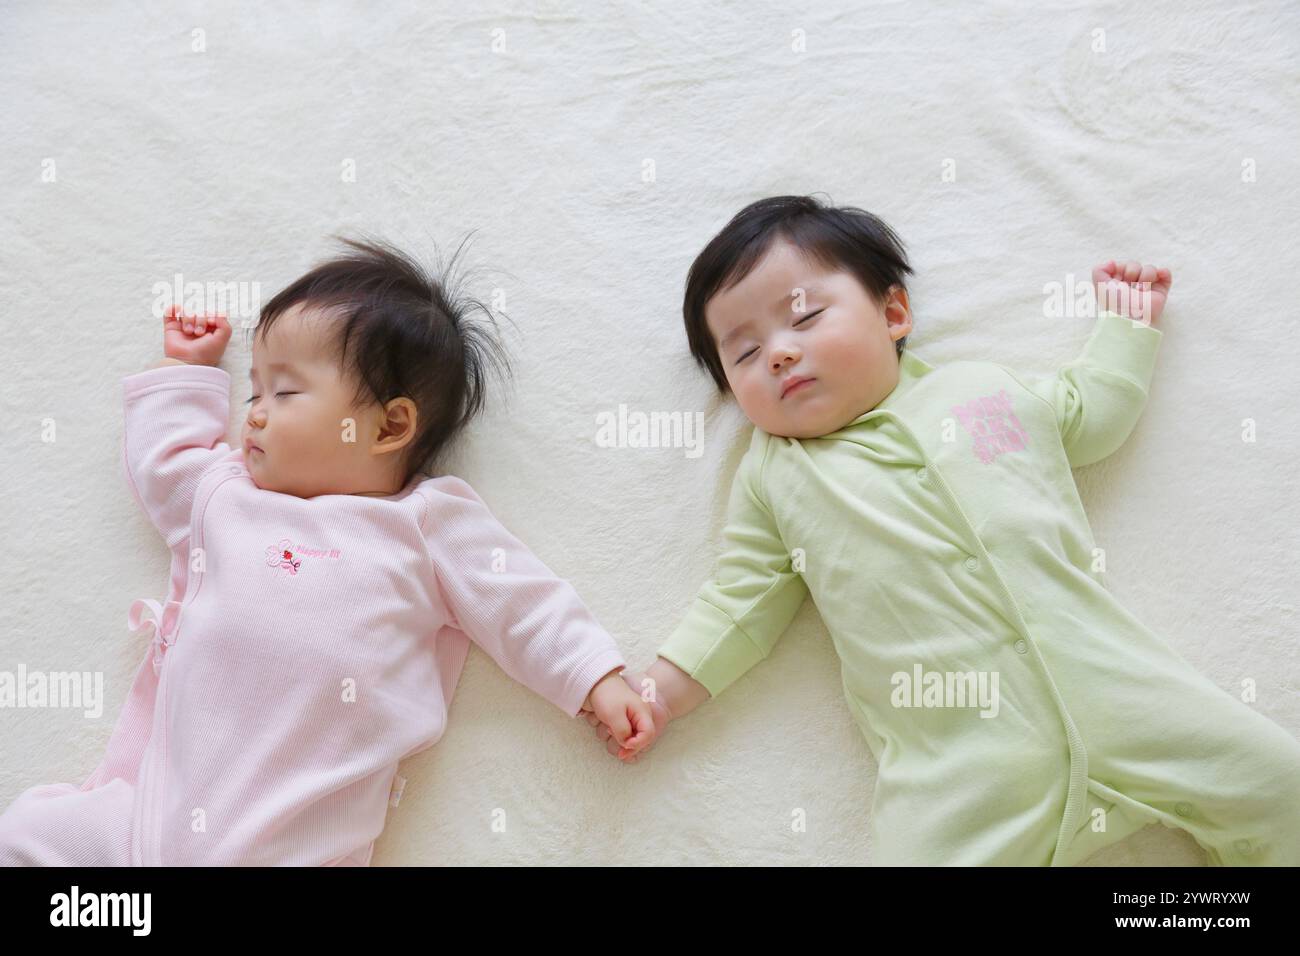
[{"x": 594, "y": 151}]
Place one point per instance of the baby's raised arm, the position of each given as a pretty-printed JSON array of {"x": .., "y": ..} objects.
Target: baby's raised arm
[
  {"x": 175, "y": 423},
  {"x": 1098, "y": 397}
]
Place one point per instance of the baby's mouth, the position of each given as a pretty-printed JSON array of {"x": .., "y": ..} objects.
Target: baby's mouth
[{"x": 796, "y": 384}]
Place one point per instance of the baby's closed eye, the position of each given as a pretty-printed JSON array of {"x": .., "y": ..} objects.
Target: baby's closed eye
[{"x": 253, "y": 398}]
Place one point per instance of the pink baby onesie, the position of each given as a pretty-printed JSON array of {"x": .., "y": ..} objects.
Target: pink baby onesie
[{"x": 306, "y": 646}]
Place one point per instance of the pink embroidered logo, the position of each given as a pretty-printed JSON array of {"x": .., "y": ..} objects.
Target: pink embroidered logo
[
  {"x": 993, "y": 425},
  {"x": 290, "y": 559},
  {"x": 279, "y": 556}
]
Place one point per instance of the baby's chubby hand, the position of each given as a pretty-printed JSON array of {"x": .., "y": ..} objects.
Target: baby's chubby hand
[
  {"x": 1133, "y": 289},
  {"x": 618, "y": 706},
  {"x": 195, "y": 339},
  {"x": 658, "y": 710}
]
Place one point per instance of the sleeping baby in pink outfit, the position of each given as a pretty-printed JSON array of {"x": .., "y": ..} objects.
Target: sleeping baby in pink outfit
[{"x": 324, "y": 589}]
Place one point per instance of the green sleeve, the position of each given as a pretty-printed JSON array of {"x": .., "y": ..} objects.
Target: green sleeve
[
  {"x": 738, "y": 616},
  {"x": 1100, "y": 395}
]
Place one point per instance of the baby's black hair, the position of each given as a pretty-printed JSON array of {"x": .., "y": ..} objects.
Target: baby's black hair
[
  {"x": 838, "y": 237},
  {"x": 402, "y": 332}
]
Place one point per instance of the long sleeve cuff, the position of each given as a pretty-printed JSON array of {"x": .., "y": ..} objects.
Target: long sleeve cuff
[
  {"x": 710, "y": 647},
  {"x": 1123, "y": 345},
  {"x": 138, "y": 382},
  {"x": 584, "y": 678}
]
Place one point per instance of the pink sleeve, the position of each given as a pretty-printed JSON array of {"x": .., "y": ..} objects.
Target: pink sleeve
[
  {"x": 175, "y": 422},
  {"x": 530, "y": 621}
]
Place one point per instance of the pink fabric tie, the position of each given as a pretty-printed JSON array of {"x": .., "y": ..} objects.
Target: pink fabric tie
[{"x": 146, "y": 611}]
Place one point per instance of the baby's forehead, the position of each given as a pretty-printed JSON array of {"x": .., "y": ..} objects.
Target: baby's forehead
[{"x": 301, "y": 333}]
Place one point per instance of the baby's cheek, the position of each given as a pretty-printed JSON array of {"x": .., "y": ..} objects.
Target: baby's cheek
[
  {"x": 753, "y": 404},
  {"x": 341, "y": 435}
]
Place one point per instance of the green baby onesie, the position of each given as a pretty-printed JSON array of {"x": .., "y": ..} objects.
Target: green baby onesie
[{"x": 1018, "y": 714}]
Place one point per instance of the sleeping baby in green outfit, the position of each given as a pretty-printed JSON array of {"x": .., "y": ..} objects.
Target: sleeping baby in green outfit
[{"x": 932, "y": 516}]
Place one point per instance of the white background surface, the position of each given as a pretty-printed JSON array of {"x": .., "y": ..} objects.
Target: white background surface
[{"x": 225, "y": 165}]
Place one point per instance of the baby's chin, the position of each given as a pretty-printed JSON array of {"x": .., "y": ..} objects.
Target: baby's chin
[
  {"x": 263, "y": 484},
  {"x": 293, "y": 485},
  {"x": 813, "y": 424},
  {"x": 257, "y": 479},
  {"x": 253, "y": 464}
]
